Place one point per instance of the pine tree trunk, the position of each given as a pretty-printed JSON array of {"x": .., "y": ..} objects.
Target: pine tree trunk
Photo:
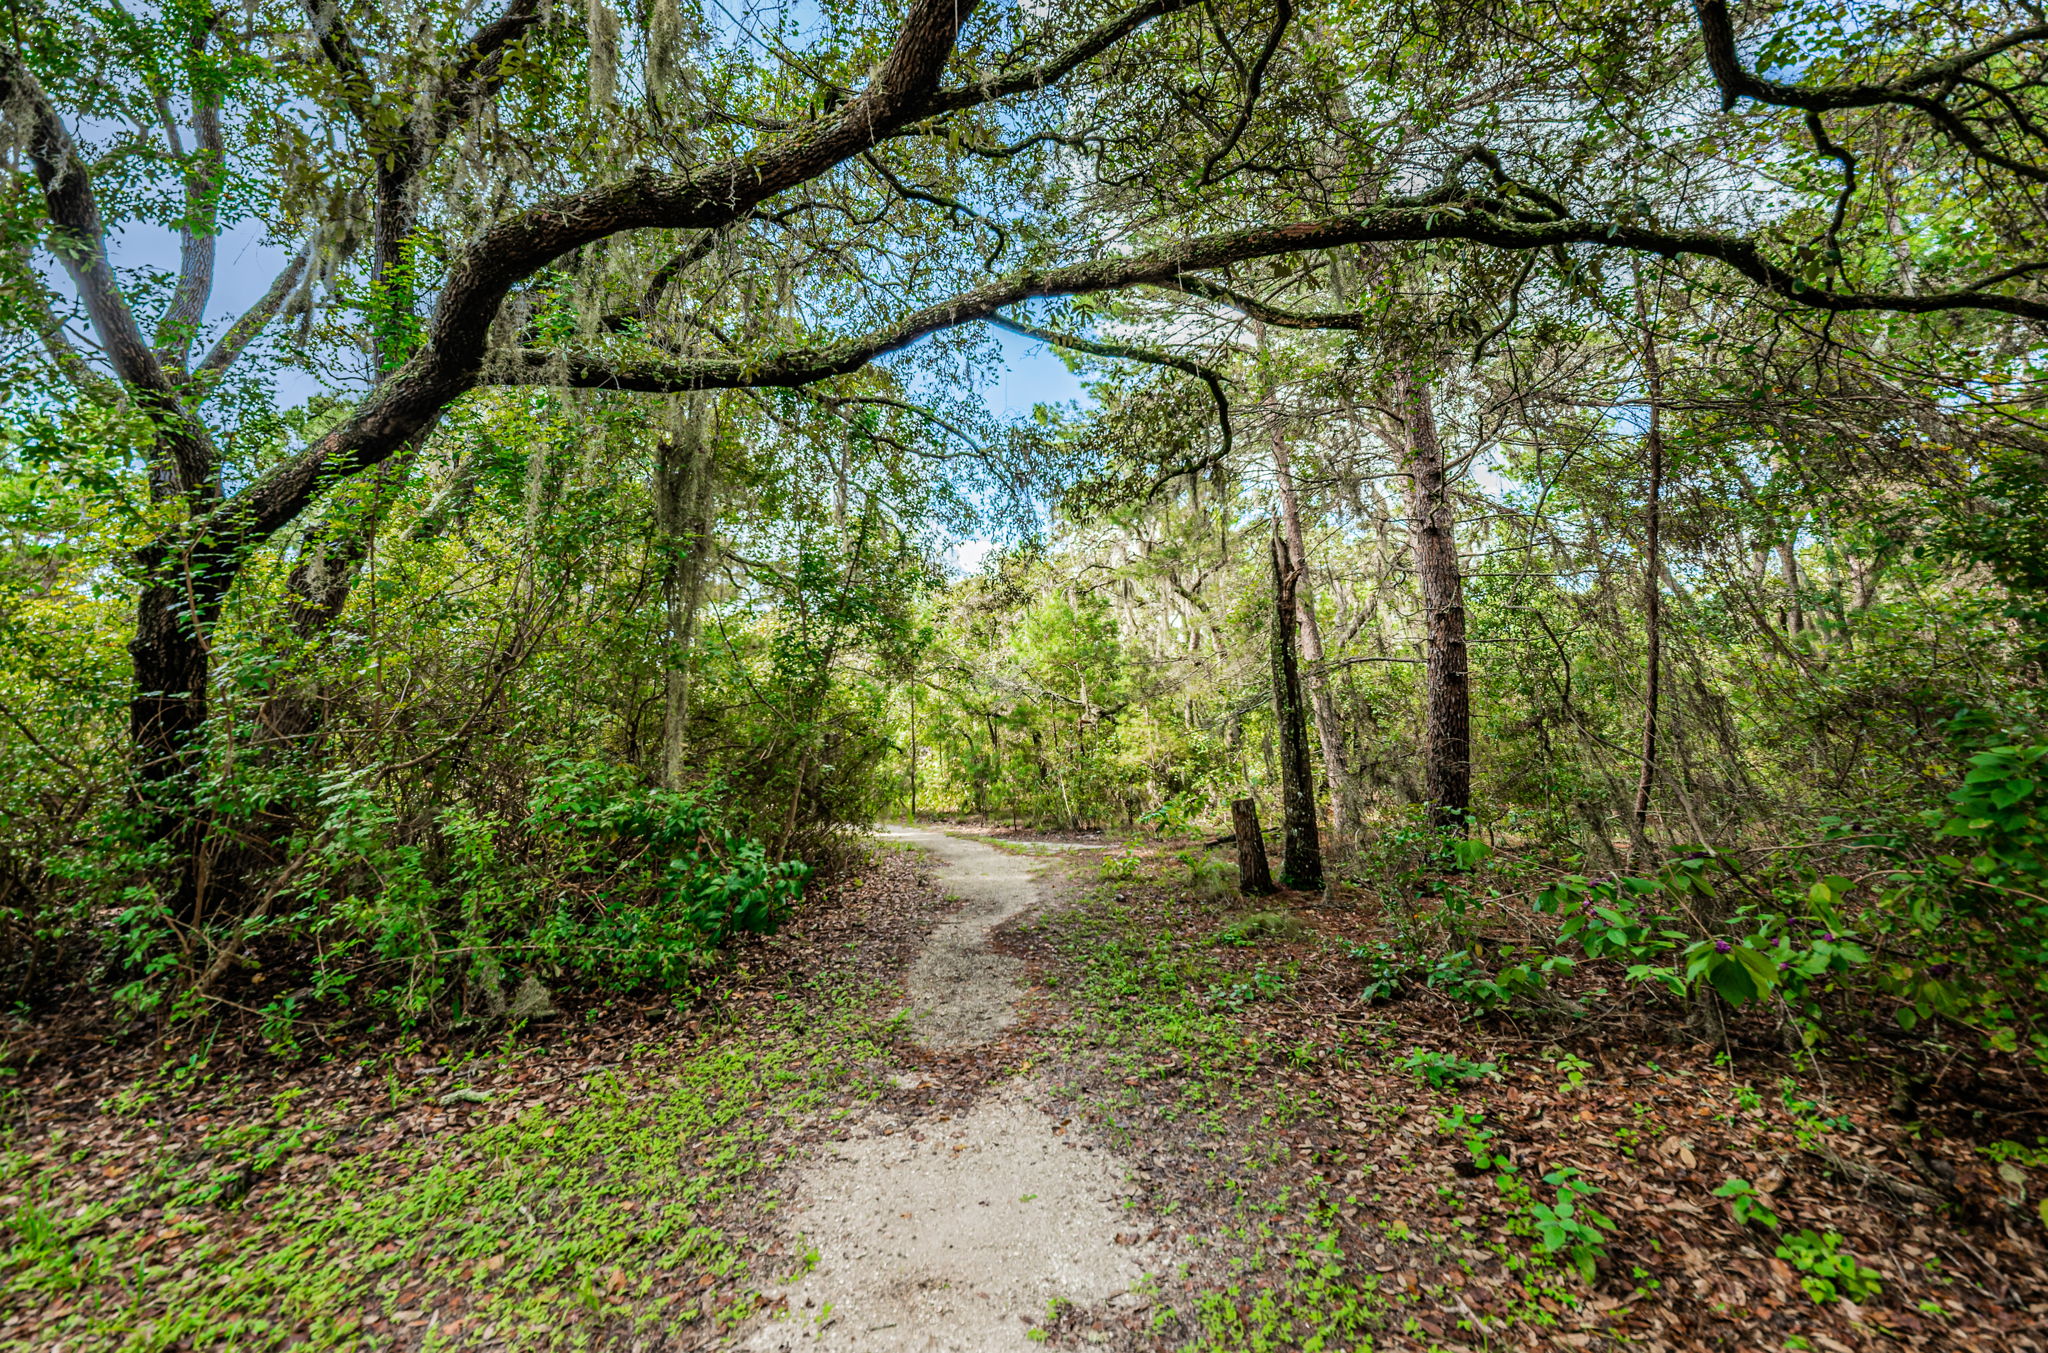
[
  {"x": 1328, "y": 732},
  {"x": 1301, "y": 856},
  {"x": 1653, "y": 596},
  {"x": 1447, "y": 719}
]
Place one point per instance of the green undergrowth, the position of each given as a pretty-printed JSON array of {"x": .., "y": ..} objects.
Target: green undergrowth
[
  {"x": 1158, "y": 1005},
  {"x": 1143, "y": 995},
  {"x": 574, "y": 1223},
  {"x": 1163, "y": 1001}
]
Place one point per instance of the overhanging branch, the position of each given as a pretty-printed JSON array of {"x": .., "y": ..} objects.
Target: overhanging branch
[
  {"x": 1907, "y": 91},
  {"x": 1178, "y": 267},
  {"x": 1132, "y": 353}
]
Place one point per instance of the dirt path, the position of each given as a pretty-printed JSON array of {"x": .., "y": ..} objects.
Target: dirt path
[{"x": 957, "y": 1231}]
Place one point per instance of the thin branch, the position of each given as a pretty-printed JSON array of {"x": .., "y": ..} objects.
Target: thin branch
[
  {"x": 258, "y": 316},
  {"x": 1084, "y": 142},
  {"x": 1132, "y": 353},
  {"x": 956, "y": 210},
  {"x": 1826, "y": 146},
  {"x": 1061, "y": 66},
  {"x": 1738, "y": 82},
  {"x": 689, "y": 256},
  {"x": 1283, "y": 14},
  {"x": 883, "y": 401}
]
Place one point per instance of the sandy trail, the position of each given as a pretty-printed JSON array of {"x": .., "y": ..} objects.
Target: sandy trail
[{"x": 957, "y": 1232}]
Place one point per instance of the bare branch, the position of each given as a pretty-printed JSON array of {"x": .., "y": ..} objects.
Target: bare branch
[
  {"x": 1084, "y": 142},
  {"x": 883, "y": 401},
  {"x": 258, "y": 316},
  {"x": 955, "y": 210},
  {"x": 1061, "y": 66},
  {"x": 1132, "y": 353},
  {"x": 687, "y": 257},
  {"x": 199, "y": 228}
]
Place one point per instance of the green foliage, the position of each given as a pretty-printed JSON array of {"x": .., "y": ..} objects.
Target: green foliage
[
  {"x": 1122, "y": 868},
  {"x": 1441, "y": 1070},
  {"x": 1247, "y": 930},
  {"x": 551, "y": 1217},
  {"x": 1469, "y": 1126},
  {"x": 1386, "y": 969},
  {"x": 1262, "y": 985},
  {"x": 1206, "y": 876},
  {"x": 1829, "y": 1273},
  {"x": 1748, "y": 1205},
  {"x": 1571, "y": 1226},
  {"x": 611, "y": 883}
]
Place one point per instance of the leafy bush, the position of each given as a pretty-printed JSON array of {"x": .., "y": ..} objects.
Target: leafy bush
[
  {"x": 1121, "y": 868},
  {"x": 1748, "y": 1205},
  {"x": 601, "y": 880},
  {"x": 1208, "y": 877},
  {"x": 1966, "y": 935},
  {"x": 1571, "y": 1226},
  {"x": 1263, "y": 985}
]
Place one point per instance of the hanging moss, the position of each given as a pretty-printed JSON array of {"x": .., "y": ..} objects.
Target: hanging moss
[{"x": 604, "y": 55}]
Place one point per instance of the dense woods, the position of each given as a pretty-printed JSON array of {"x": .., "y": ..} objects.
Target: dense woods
[{"x": 1568, "y": 466}]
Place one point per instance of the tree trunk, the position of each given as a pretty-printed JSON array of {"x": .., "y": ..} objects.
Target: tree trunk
[
  {"x": 1301, "y": 856},
  {"x": 1253, "y": 875},
  {"x": 167, "y": 718},
  {"x": 1328, "y": 732},
  {"x": 1653, "y": 596},
  {"x": 1447, "y": 720},
  {"x": 683, "y": 484},
  {"x": 1788, "y": 565}
]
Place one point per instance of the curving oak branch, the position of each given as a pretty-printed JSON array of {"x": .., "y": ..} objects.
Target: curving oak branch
[
  {"x": 1177, "y": 267},
  {"x": 1924, "y": 89}
]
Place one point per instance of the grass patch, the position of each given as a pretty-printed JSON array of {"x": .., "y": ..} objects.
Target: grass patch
[
  {"x": 580, "y": 1219},
  {"x": 1256, "y": 926}
]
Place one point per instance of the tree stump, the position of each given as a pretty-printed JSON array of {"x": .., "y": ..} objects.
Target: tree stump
[{"x": 1252, "y": 874}]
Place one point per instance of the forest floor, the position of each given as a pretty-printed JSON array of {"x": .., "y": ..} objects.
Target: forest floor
[{"x": 991, "y": 1094}]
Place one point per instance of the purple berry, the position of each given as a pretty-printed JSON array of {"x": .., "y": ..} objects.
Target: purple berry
[{"x": 1722, "y": 946}]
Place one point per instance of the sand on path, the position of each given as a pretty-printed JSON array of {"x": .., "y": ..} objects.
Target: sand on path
[{"x": 957, "y": 1232}]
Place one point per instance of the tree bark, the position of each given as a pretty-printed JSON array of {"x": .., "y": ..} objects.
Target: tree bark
[
  {"x": 167, "y": 718},
  {"x": 1335, "y": 768},
  {"x": 1653, "y": 595},
  {"x": 683, "y": 486},
  {"x": 1301, "y": 856},
  {"x": 1788, "y": 566},
  {"x": 1254, "y": 877},
  {"x": 1447, "y": 718}
]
